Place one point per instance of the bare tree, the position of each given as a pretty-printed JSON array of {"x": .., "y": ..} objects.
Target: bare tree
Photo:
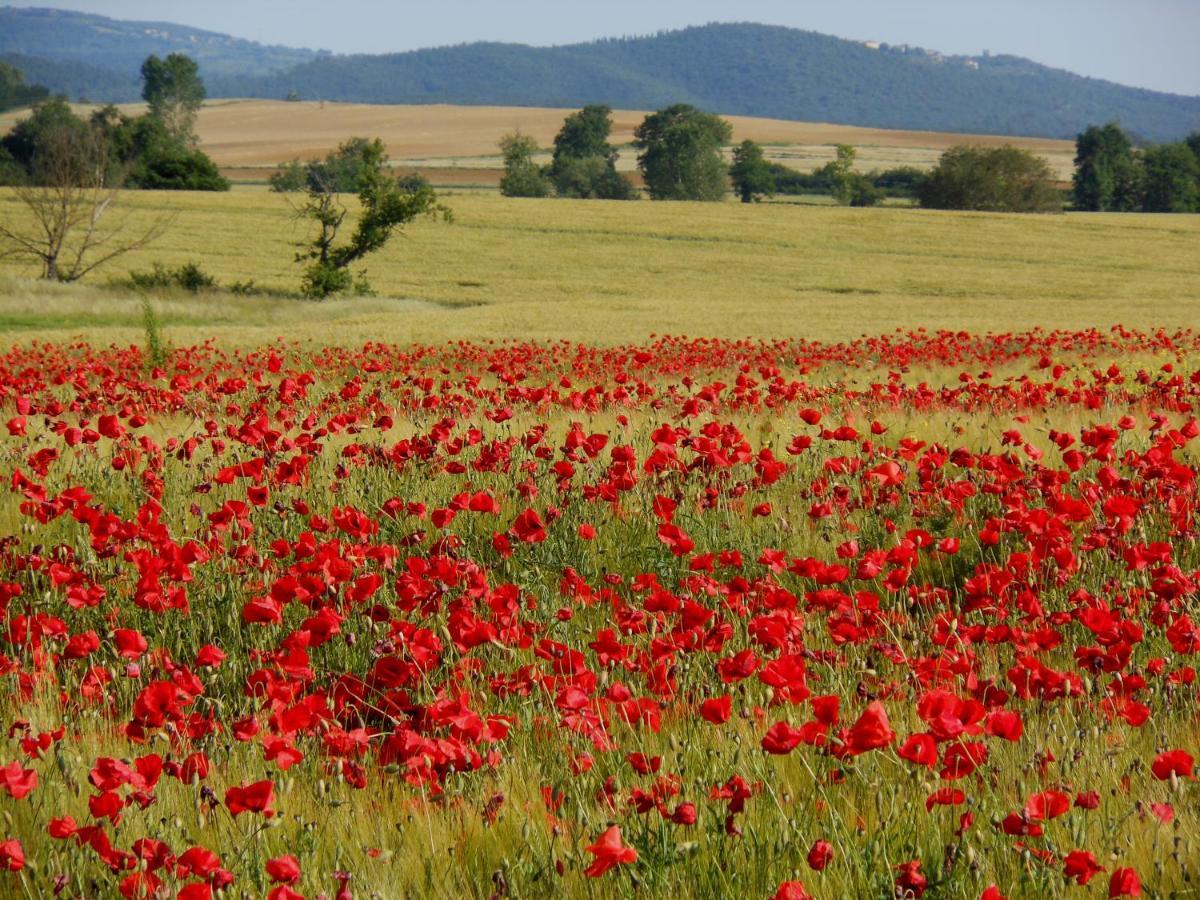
[{"x": 70, "y": 227}]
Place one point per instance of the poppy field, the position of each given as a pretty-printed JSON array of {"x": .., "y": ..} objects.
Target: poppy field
[{"x": 906, "y": 616}]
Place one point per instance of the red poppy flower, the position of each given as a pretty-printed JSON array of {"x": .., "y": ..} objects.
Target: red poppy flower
[
  {"x": 254, "y": 797},
  {"x": 820, "y": 855},
  {"x": 284, "y": 869},
  {"x": 1172, "y": 762},
  {"x": 609, "y": 852},
  {"x": 1124, "y": 883}
]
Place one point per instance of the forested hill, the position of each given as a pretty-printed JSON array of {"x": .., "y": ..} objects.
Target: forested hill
[
  {"x": 79, "y": 53},
  {"x": 754, "y": 70},
  {"x": 738, "y": 69}
]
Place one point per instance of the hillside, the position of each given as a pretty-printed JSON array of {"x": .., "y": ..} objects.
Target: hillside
[
  {"x": 79, "y": 53},
  {"x": 742, "y": 69},
  {"x": 753, "y": 70}
]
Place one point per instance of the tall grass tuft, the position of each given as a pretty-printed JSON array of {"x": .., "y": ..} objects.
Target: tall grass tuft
[{"x": 156, "y": 350}]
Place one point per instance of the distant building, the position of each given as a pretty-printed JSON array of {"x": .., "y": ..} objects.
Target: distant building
[{"x": 871, "y": 45}]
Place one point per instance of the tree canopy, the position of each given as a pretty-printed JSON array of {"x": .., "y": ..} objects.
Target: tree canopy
[
  {"x": 680, "y": 153},
  {"x": 173, "y": 89},
  {"x": 751, "y": 173},
  {"x": 1106, "y": 175},
  {"x": 1171, "y": 179},
  {"x": 386, "y": 206},
  {"x": 14, "y": 92},
  {"x": 585, "y": 163},
  {"x": 139, "y": 151},
  {"x": 523, "y": 177},
  {"x": 999, "y": 179}
]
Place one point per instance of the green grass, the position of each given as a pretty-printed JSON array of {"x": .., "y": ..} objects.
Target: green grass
[{"x": 610, "y": 272}]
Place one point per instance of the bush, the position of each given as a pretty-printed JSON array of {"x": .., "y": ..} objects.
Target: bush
[
  {"x": 522, "y": 176},
  {"x": 903, "y": 181},
  {"x": 291, "y": 178},
  {"x": 1172, "y": 179},
  {"x": 322, "y": 280},
  {"x": 413, "y": 183},
  {"x": 791, "y": 182},
  {"x": 862, "y": 191},
  {"x": 177, "y": 169},
  {"x": 189, "y": 277},
  {"x": 592, "y": 178},
  {"x": 999, "y": 179}
]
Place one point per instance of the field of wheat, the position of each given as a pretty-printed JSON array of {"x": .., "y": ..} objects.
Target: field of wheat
[
  {"x": 611, "y": 272},
  {"x": 457, "y": 144}
]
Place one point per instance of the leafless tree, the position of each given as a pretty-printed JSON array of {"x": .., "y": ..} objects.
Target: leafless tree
[{"x": 69, "y": 225}]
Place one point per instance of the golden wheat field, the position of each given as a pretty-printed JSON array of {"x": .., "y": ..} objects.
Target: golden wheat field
[
  {"x": 457, "y": 144},
  {"x": 611, "y": 272}
]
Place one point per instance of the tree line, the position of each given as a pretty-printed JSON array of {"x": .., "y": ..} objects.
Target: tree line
[
  {"x": 67, "y": 171},
  {"x": 1111, "y": 175},
  {"x": 681, "y": 156},
  {"x": 155, "y": 151}
]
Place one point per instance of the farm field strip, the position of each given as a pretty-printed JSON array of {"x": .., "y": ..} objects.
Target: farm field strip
[
  {"x": 247, "y": 135},
  {"x": 614, "y": 272}
]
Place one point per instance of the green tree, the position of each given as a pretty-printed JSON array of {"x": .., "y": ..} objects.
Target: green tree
[
  {"x": 1106, "y": 173},
  {"x": 585, "y": 164},
  {"x": 347, "y": 169},
  {"x": 841, "y": 172},
  {"x": 1002, "y": 179},
  {"x": 751, "y": 173},
  {"x": 67, "y": 199},
  {"x": 1172, "y": 179},
  {"x": 51, "y": 117},
  {"x": 173, "y": 89},
  {"x": 1193, "y": 142},
  {"x": 902, "y": 181},
  {"x": 14, "y": 92},
  {"x": 680, "y": 154},
  {"x": 342, "y": 170},
  {"x": 584, "y": 134},
  {"x": 522, "y": 176},
  {"x": 289, "y": 177},
  {"x": 386, "y": 207}
]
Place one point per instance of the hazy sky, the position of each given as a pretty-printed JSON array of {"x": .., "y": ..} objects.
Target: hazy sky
[{"x": 1145, "y": 43}]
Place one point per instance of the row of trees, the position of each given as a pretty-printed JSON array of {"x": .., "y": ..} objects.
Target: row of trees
[
  {"x": 680, "y": 157},
  {"x": 67, "y": 172},
  {"x": 156, "y": 151},
  {"x": 69, "y": 231},
  {"x": 1112, "y": 176},
  {"x": 584, "y": 164}
]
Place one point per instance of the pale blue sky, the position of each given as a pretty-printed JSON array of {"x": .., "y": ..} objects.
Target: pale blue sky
[{"x": 1145, "y": 43}]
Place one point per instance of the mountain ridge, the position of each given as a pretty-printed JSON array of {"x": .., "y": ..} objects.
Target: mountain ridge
[{"x": 731, "y": 68}]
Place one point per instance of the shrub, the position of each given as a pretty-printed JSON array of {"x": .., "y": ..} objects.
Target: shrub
[
  {"x": 189, "y": 277},
  {"x": 290, "y": 178},
  {"x": 1172, "y": 179},
  {"x": 998, "y": 179},
  {"x": 902, "y": 181},
  {"x": 177, "y": 169},
  {"x": 863, "y": 192},
  {"x": 592, "y": 178},
  {"x": 522, "y": 176}
]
